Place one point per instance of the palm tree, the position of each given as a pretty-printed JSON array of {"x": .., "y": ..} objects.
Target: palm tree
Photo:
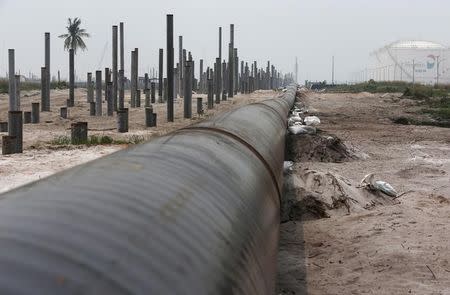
[
  {"x": 74, "y": 37},
  {"x": 73, "y": 41}
]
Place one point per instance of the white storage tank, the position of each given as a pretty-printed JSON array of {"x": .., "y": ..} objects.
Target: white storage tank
[{"x": 422, "y": 61}]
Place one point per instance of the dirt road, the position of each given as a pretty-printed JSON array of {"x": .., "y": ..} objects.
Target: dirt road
[
  {"x": 41, "y": 158},
  {"x": 403, "y": 248}
]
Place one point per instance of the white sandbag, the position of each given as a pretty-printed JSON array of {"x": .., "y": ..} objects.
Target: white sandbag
[
  {"x": 295, "y": 119},
  {"x": 295, "y": 113},
  {"x": 300, "y": 129},
  {"x": 299, "y": 109},
  {"x": 381, "y": 186},
  {"x": 287, "y": 167},
  {"x": 312, "y": 121},
  {"x": 385, "y": 188}
]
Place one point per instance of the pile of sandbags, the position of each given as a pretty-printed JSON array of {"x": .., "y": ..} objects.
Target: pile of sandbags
[{"x": 298, "y": 125}]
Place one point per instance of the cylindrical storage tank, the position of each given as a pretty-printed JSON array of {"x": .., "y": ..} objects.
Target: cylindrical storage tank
[{"x": 420, "y": 61}]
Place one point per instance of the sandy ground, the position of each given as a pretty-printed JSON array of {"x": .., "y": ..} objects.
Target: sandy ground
[
  {"x": 403, "y": 248},
  {"x": 41, "y": 158}
]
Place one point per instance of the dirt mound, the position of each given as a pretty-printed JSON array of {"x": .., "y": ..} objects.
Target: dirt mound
[
  {"x": 322, "y": 148},
  {"x": 310, "y": 194}
]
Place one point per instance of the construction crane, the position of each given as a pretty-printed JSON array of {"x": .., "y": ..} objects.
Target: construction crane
[{"x": 100, "y": 63}]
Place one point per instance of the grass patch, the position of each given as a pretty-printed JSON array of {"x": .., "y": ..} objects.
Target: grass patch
[
  {"x": 435, "y": 100},
  {"x": 438, "y": 113},
  {"x": 416, "y": 91},
  {"x": 401, "y": 121},
  {"x": 99, "y": 140},
  {"x": 438, "y": 109},
  {"x": 133, "y": 139},
  {"x": 372, "y": 87},
  {"x": 94, "y": 140},
  {"x": 27, "y": 86},
  {"x": 61, "y": 140},
  {"x": 421, "y": 122}
]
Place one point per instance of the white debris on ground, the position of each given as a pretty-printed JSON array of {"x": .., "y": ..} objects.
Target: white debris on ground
[
  {"x": 312, "y": 194},
  {"x": 299, "y": 124},
  {"x": 287, "y": 167},
  {"x": 317, "y": 194},
  {"x": 383, "y": 249},
  {"x": 370, "y": 183},
  {"x": 301, "y": 129},
  {"x": 312, "y": 121}
]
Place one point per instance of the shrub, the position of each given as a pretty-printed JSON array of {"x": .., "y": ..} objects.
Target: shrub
[{"x": 61, "y": 140}]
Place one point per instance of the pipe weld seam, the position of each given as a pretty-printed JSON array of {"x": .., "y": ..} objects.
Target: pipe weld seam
[
  {"x": 284, "y": 120},
  {"x": 246, "y": 144}
]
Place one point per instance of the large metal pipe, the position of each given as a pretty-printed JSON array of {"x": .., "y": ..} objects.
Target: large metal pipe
[{"x": 192, "y": 212}]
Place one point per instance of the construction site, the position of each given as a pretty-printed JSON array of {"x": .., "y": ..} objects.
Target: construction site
[{"x": 180, "y": 158}]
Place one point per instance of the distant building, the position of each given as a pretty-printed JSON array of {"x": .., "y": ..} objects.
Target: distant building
[{"x": 425, "y": 62}]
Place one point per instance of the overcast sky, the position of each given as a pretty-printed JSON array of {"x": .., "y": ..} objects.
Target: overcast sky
[{"x": 279, "y": 30}]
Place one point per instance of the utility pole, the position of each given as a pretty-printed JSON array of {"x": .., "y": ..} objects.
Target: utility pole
[
  {"x": 395, "y": 71},
  {"x": 437, "y": 70},
  {"x": 332, "y": 70},
  {"x": 401, "y": 72}
]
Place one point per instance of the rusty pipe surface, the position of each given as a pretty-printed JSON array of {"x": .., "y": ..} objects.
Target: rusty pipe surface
[{"x": 193, "y": 212}]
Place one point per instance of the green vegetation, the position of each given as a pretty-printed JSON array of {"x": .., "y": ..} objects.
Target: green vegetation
[
  {"x": 73, "y": 39},
  {"x": 416, "y": 91},
  {"x": 98, "y": 140},
  {"x": 422, "y": 122},
  {"x": 441, "y": 113},
  {"x": 133, "y": 139},
  {"x": 434, "y": 99},
  {"x": 439, "y": 109},
  {"x": 27, "y": 86},
  {"x": 372, "y": 87},
  {"x": 61, "y": 140}
]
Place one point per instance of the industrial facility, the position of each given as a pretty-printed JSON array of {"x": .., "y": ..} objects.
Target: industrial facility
[{"x": 411, "y": 61}]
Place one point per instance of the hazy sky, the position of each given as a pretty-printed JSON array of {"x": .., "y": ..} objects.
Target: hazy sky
[{"x": 278, "y": 30}]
